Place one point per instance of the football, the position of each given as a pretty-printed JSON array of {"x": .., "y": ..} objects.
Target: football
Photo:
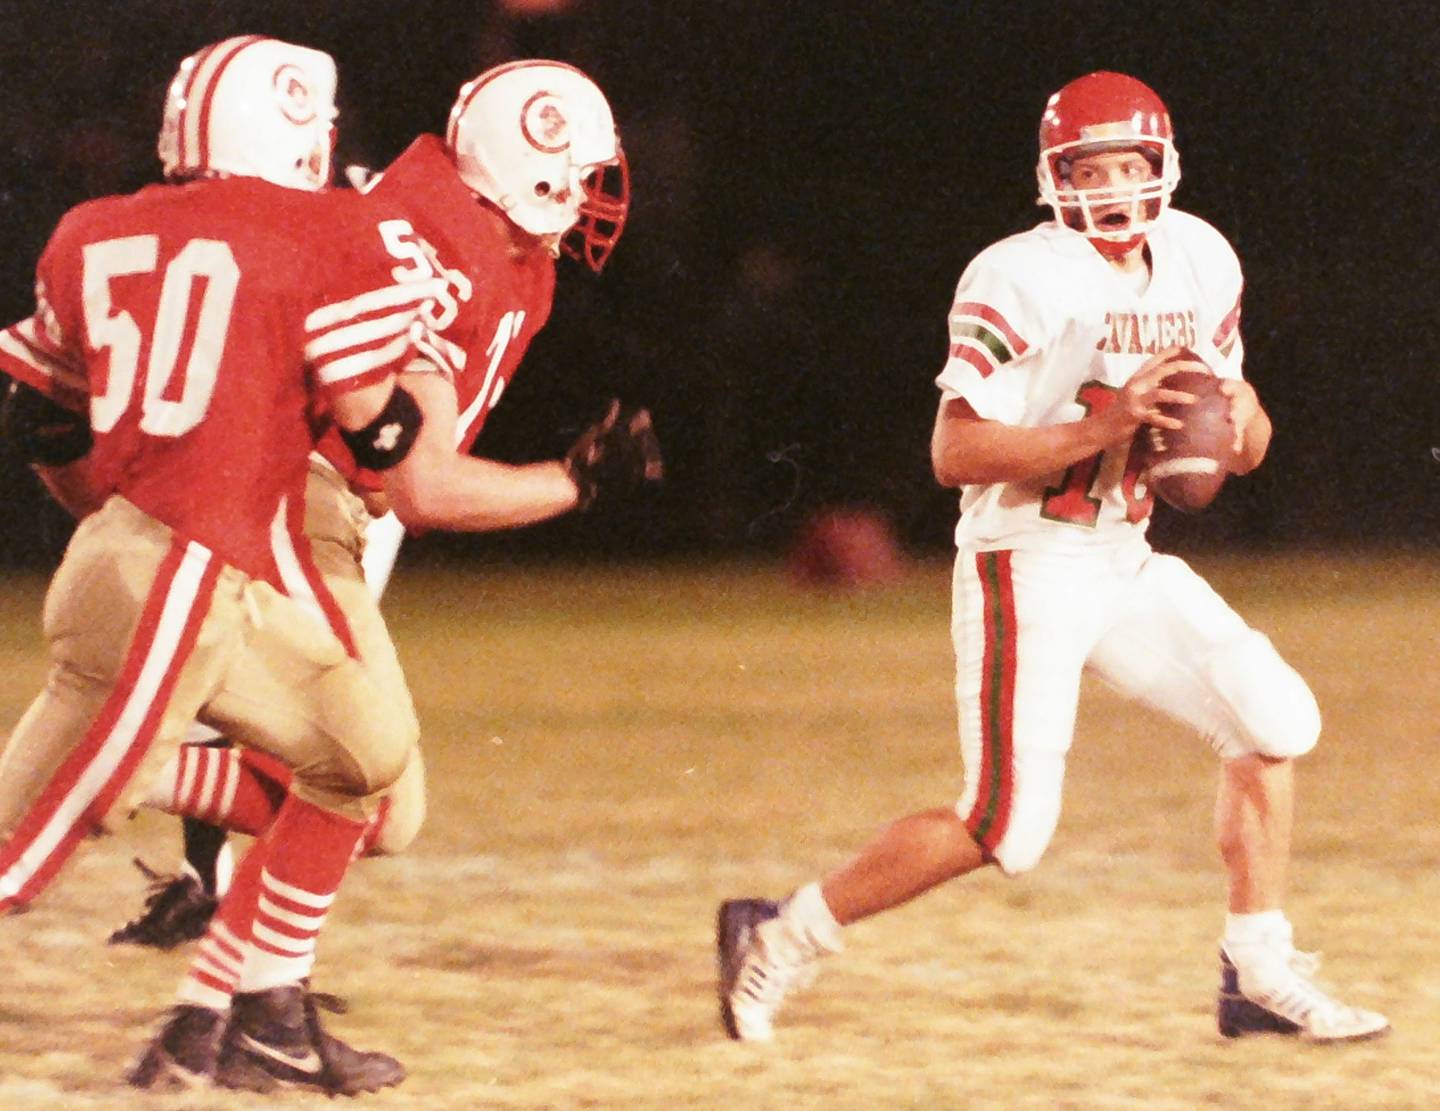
[{"x": 1186, "y": 467}]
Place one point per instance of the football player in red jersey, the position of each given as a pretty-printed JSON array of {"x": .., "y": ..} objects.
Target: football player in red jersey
[
  {"x": 530, "y": 168},
  {"x": 166, "y": 381},
  {"x": 1060, "y": 339}
]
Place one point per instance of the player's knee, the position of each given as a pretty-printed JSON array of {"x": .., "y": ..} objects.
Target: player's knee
[
  {"x": 1272, "y": 711},
  {"x": 1015, "y": 833},
  {"x": 406, "y": 812},
  {"x": 1019, "y": 855},
  {"x": 381, "y": 760},
  {"x": 402, "y": 826},
  {"x": 372, "y": 736}
]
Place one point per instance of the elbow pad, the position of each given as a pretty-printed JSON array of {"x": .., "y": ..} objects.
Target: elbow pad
[
  {"x": 43, "y": 431},
  {"x": 387, "y": 439}
]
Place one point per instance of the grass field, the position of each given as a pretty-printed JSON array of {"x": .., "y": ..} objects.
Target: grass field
[{"x": 611, "y": 753}]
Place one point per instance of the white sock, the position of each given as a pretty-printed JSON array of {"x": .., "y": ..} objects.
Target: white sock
[
  {"x": 1267, "y": 929},
  {"x": 224, "y": 870},
  {"x": 807, "y": 920}
]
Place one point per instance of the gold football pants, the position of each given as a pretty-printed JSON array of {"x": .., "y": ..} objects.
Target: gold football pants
[
  {"x": 265, "y": 689},
  {"x": 147, "y": 631}
]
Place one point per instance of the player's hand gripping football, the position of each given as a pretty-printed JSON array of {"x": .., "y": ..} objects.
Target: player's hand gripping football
[
  {"x": 617, "y": 455},
  {"x": 1140, "y": 399},
  {"x": 1244, "y": 408}
]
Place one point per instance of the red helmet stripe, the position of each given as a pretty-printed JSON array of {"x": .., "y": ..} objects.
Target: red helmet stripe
[
  {"x": 187, "y": 98},
  {"x": 200, "y": 94}
]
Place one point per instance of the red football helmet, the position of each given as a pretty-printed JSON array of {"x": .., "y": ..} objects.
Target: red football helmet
[{"x": 1094, "y": 114}]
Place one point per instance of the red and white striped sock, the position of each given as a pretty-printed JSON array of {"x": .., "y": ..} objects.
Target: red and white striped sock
[
  {"x": 237, "y": 789},
  {"x": 215, "y": 970},
  {"x": 310, "y": 850}
]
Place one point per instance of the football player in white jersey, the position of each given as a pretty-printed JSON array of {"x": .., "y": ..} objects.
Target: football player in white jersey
[{"x": 1059, "y": 339}]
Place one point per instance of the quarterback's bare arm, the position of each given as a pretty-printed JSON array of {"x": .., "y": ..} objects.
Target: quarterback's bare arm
[{"x": 965, "y": 448}]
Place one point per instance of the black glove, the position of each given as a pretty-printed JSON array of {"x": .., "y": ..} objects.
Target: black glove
[
  {"x": 616, "y": 456},
  {"x": 41, "y": 430}
]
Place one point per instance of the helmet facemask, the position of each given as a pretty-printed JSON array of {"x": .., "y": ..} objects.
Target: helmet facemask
[
  {"x": 601, "y": 215},
  {"x": 1141, "y": 203}
]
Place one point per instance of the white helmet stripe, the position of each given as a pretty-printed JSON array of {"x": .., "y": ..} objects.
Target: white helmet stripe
[{"x": 194, "y": 118}]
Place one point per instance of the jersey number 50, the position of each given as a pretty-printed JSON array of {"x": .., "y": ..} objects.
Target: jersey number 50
[{"x": 166, "y": 408}]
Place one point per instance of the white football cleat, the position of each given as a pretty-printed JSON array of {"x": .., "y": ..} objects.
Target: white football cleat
[
  {"x": 1277, "y": 995},
  {"x": 755, "y": 972}
]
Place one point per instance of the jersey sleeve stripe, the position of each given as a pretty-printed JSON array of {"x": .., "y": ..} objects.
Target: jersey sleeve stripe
[
  {"x": 978, "y": 357},
  {"x": 1229, "y": 327},
  {"x": 985, "y": 313},
  {"x": 376, "y": 300},
  {"x": 34, "y": 336},
  {"x": 366, "y": 362},
  {"x": 982, "y": 334},
  {"x": 22, "y": 358},
  {"x": 358, "y": 335}
]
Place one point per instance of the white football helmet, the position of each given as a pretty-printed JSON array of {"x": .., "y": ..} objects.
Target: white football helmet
[
  {"x": 537, "y": 140},
  {"x": 253, "y": 107}
]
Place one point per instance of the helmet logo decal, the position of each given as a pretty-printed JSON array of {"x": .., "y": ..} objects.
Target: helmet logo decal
[
  {"x": 292, "y": 91},
  {"x": 544, "y": 125}
]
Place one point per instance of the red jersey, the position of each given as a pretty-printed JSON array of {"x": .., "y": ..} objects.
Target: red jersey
[
  {"x": 496, "y": 298},
  {"x": 196, "y": 321}
]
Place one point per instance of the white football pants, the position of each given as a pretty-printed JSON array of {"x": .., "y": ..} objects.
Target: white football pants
[{"x": 1026, "y": 624}]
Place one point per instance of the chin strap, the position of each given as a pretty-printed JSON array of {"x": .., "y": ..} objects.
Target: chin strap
[{"x": 1117, "y": 248}]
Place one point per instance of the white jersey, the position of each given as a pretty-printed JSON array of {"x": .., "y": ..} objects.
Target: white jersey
[{"x": 1044, "y": 329}]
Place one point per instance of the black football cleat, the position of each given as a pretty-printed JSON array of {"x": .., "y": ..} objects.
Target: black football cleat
[
  {"x": 276, "y": 1041},
  {"x": 177, "y": 910},
  {"x": 184, "y": 1054}
]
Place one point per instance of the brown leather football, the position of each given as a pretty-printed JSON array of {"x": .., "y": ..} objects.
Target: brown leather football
[{"x": 1186, "y": 467}]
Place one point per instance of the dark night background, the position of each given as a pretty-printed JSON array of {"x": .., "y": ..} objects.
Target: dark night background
[{"x": 810, "y": 179}]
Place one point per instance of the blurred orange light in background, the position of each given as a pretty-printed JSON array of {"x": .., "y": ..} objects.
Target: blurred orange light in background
[{"x": 536, "y": 7}]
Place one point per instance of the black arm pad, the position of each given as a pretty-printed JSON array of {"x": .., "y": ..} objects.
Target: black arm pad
[
  {"x": 41, "y": 430},
  {"x": 387, "y": 439}
]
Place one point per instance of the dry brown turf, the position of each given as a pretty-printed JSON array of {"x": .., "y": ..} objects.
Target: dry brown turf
[{"x": 611, "y": 753}]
